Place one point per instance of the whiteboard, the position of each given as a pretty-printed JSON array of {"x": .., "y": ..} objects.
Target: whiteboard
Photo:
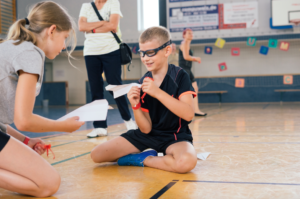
[{"x": 285, "y": 10}]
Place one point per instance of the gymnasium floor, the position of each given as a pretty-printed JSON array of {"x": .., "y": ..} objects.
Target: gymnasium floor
[{"x": 255, "y": 150}]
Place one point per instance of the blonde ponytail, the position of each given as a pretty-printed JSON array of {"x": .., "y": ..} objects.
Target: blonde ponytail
[
  {"x": 18, "y": 31},
  {"x": 43, "y": 15}
]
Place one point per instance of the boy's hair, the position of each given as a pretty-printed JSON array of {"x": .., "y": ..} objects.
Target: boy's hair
[
  {"x": 43, "y": 15},
  {"x": 161, "y": 34}
]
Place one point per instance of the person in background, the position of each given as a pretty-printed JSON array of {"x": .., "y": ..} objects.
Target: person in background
[
  {"x": 185, "y": 61},
  {"x": 102, "y": 53}
]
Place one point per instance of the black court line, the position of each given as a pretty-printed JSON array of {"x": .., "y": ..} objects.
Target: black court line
[
  {"x": 228, "y": 182},
  {"x": 210, "y": 115},
  {"x": 266, "y": 106},
  {"x": 163, "y": 190},
  {"x": 247, "y": 142}
]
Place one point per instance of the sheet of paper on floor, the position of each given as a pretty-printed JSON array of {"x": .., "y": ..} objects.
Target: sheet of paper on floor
[{"x": 203, "y": 156}]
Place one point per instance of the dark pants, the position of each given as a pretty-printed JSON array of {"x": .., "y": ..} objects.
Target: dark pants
[{"x": 111, "y": 65}]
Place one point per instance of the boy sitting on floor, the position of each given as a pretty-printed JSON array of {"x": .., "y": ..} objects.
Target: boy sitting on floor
[{"x": 162, "y": 108}]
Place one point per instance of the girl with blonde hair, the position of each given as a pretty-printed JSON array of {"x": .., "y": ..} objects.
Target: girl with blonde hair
[{"x": 22, "y": 54}]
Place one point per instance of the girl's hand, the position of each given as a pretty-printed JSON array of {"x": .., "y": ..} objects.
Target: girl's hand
[
  {"x": 72, "y": 124},
  {"x": 198, "y": 59},
  {"x": 134, "y": 95},
  {"x": 149, "y": 87},
  {"x": 33, "y": 144}
]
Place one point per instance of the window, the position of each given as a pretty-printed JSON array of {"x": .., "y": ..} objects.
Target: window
[
  {"x": 7, "y": 15},
  {"x": 148, "y": 14}
]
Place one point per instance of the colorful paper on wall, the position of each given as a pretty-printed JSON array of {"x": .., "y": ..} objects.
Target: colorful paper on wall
[
  {"x": 284, "y": 46},
  {"x": 273, "y": 43},
  {"x": 251, "y": 41},
  {"x": 239, "y": 82},
  {"x": 220, "y": 43},
  {"x": 264, "y": 50},
  {"x": 235, "y": 51},
  {"x": 288, "y": 79},
  {"x": 222, "y": 66},
  {"x": 208, "y": 50},
  {"x": 135, "y": 49}
]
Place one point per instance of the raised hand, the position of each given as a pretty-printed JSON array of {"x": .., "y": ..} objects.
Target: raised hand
[{"x": 134, "y": 95}]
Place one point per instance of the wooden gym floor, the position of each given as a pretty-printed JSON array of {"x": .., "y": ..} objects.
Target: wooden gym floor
[{"x": 255, "y": 153}]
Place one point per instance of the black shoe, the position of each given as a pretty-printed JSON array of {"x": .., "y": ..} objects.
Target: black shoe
[{"x": 197, "y": 114}]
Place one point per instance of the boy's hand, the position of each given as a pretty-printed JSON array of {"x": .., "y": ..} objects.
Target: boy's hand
[
  {"x": 134, "y": 95},
  {"x": 149, "y": 87}
]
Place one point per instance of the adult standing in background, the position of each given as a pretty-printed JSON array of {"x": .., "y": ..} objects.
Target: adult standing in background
[
  {"x": 185, "y": 61},
  {"x": 102, "y": 53}
]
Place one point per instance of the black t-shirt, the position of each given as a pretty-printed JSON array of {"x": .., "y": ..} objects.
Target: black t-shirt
[{"x": 176, "y": 83}]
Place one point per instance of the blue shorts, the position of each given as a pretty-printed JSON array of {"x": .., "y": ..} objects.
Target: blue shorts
[{"x": 4, "y": 138}]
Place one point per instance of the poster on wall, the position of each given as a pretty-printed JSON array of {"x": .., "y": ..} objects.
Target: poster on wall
[
  {"x": 196, "y": 18},
  {"x": 238, "y": 15},
  {"x": 172, "y": 1}
]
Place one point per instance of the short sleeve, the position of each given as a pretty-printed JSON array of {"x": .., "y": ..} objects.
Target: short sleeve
[
  {"x": 184, "y": 85},
  {"x": 83, "y": 10},
  {"x": 144, "y": 104},
  {"x": 115, "y": 8},
  {"x": 29, "y": 61}
]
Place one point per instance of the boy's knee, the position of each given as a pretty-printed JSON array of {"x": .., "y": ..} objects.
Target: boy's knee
[
  {"x": 94, "y": 156},
  {"x": 186, "y": 163}
]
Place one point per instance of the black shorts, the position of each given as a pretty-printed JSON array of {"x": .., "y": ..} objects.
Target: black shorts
[
  {"x": 190, "y": 73},
  {"x": 4, "y": 138},
  {"x": 159, "y": 143}
]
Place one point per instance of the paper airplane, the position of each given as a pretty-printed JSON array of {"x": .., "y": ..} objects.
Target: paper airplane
[
  {"x": 120, "y": 90},
  {"x": 94, "y": 111},
  {"x": 203, "y": 156}
]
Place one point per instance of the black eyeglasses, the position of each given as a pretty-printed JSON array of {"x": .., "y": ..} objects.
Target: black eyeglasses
[{"x": 152, "y": 52}]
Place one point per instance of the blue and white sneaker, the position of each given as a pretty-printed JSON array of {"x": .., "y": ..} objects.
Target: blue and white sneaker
[{"x": 136, "y": 159}]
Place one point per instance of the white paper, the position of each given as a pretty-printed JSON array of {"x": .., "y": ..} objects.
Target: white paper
[
  {"x": 203, "y": 156},
  {"x": 120, "y": 90},
  {"x": 94, "y": 111}
]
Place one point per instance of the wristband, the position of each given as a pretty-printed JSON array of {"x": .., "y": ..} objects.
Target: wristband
[
  {"x": 26, "y": 140},
  {"x": 136, "y": 107},
  {"x": 93, "y": 31}
]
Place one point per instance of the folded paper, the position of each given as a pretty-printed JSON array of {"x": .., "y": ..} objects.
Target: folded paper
[
  {"x": 120, "y": 90},
  {"x": 94, "y": 111}
]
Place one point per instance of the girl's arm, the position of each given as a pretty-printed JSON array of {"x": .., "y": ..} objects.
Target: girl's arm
[
  {"x": 110, "y": 25},
  {"x": 32, "y": 142},
  {"x": 142, "y": 119},
  {"x": 24, "y": 118},
  {"x": 85, "y": 26},
  {"x": 183, "y": 107},
  {"x": 186, "y": 55}
]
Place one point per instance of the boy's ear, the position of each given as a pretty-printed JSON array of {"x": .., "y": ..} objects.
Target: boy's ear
[{"x": 168, "y": 51}]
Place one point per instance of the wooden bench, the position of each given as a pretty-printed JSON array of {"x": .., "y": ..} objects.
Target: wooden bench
[
  {"x": 214, "y": 92},
  {"x": 281, "y": 91}
]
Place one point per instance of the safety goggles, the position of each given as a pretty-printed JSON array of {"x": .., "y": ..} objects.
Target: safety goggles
[{"x": 152, "y": 52}]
